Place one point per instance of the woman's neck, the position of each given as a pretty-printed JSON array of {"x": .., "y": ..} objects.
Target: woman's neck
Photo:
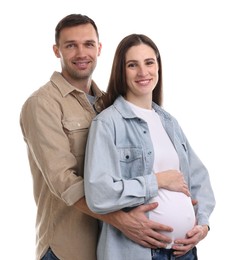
[{"x": 142, "y": 102}]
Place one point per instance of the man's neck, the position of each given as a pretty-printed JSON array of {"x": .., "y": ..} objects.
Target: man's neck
[{"x": 81, "y": 84}]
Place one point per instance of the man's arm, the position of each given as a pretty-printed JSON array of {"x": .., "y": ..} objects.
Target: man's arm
[{"x": 134, "y": 224}]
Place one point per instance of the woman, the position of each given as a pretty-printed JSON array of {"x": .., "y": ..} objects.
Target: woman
[{"x": 141, "y": 154}]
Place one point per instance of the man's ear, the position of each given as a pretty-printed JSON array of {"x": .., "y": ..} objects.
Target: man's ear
[
  {"x": 56, "y": 51},
  {"x": 99, "y": 49}
]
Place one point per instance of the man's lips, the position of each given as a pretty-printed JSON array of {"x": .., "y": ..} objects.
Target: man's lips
[{"x": 81, "y": 64}]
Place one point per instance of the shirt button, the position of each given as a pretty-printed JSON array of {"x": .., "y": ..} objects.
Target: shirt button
[
  {"x": 78, "y": 124},
  {"x": 149, "y": 153},
  {"x": 144, "y": 132}
]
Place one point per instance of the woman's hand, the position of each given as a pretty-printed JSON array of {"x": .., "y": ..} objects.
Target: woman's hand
[
  {"x": 172, "y": 180},
  {"x": 194, "y": 236}
]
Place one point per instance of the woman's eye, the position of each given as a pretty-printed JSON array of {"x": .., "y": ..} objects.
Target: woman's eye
[{"x": 131, "y": 65}]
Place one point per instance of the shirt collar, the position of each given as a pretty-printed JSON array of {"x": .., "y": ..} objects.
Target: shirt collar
[{"x": 66, "y": 88}]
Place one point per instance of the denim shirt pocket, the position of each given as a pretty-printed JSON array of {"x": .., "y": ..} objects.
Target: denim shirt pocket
[
  {"x": 183, "y": 154},
  {"x": 131, "y": 162},
  {"x": 184, "y": 146}
]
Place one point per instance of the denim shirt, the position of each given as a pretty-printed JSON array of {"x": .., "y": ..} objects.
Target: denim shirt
[{"x": 118, "y": 173}]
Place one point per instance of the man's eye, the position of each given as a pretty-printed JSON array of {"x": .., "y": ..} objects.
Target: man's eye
[{"x": 70, "y": 46}]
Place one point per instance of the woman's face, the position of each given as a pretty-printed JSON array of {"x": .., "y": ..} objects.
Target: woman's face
[{"x": 141, "y": 72}]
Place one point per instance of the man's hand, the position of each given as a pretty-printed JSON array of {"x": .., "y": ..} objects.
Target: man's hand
[
  {"x": 137, "y": 227},
  {"x": 182, "y": 246},
  {"x": 133, "y": 224},
  {"x": 194, "y": 202}
]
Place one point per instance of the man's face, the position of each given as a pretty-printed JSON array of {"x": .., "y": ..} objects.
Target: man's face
[{"x": 78, "y": 50}]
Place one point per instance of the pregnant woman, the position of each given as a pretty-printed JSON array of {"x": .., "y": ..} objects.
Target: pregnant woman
[{"x": 137, "y": 153}]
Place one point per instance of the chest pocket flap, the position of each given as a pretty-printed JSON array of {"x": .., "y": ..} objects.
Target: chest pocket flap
[{"x": 130, "y": 154}]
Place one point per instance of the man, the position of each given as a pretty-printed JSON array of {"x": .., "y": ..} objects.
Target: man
[{"x": 55, "y": 121}]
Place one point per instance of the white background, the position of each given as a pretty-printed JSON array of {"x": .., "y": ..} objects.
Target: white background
[{"x": 200, "y": 43}]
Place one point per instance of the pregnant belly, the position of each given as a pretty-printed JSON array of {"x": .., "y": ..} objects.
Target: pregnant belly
[{"x": 175, "y": 209}]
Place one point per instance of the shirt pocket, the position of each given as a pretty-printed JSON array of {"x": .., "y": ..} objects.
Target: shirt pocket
[
  {"x": 131, "y": 162},
  {"x": 77, "y": 132},
  {"x": 180, "y": 144}
]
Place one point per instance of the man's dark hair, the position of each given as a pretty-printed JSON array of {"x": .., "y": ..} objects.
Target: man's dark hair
[{"x": 73, "y": 20}]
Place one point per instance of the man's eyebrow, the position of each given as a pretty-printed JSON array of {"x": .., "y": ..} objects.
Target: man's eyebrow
[
  {"x": 92, "y": 41},
  {"x": 69, "y": 41}
]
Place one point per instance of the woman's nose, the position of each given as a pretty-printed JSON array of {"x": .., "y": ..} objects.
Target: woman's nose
[{"x": 142, "y": 71}]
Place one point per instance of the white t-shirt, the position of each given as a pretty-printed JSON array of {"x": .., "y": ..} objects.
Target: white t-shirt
[{"x": 175, "y": 209}]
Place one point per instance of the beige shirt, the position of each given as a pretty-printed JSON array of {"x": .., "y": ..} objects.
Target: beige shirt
[{"x": 55, "y": 121}]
